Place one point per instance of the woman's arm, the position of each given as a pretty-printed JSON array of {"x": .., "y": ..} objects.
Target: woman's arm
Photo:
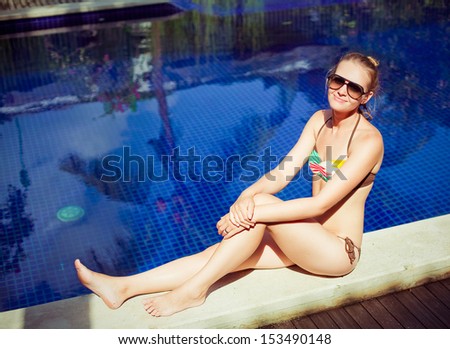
[
  {"x": 241, "y": 212},
  {"x": 358, "y": 165},
  {"x": 275, "y": 180}
]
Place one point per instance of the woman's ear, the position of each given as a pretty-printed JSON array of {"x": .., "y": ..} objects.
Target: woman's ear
[{"x": 367, "y": 97}]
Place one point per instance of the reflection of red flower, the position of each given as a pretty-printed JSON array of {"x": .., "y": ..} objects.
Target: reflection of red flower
[
  {"x": 120, "y": 100},
  {"x": 136, "y": 93},
  {"x": 117, "y": 91}
]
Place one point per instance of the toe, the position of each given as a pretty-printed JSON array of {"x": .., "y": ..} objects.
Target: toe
[
  {"x": 154, "y": 313},
  {"x": 77, "y": 264},
  {"x": 149, "y": 308}
]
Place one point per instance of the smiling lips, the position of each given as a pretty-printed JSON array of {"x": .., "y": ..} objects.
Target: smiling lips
[{"x": 339, "y": 100}]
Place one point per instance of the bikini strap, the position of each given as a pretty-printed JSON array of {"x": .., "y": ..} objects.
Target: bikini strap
[
  {"x": 320, "y": 129},
  {"x": 353, "y": 132},
  {"x": 350, "y": 249}
]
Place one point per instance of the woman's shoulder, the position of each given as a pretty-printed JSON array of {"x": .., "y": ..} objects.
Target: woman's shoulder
[
  {"x": 370, "y": 131},
  {"x": 320, "y": 117},
  {"x": 368, "y": 136}
]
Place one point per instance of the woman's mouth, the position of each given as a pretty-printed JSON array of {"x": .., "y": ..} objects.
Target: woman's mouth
[{"x": 339, "y": 100}]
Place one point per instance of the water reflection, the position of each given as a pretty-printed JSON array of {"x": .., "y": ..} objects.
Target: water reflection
[
  {"x": 15, "y": 226},
  {"x": 15, "y": 223}
]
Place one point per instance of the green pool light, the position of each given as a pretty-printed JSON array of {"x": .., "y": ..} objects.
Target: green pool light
[{"x": 70, "y": 213}]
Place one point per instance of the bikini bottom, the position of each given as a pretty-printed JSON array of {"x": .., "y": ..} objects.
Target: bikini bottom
[{"x": 350, "y": 249}]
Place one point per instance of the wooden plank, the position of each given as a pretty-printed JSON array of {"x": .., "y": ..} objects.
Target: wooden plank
[
  {"x": 446, "y": 283},
  {"x": 343, "y": 319},
  {"x": 438, "y": 308},
  {"x": 426, "y": 306},
  {"x": 362, "y": 316},
  {"x": 323, "y": 321},
  {"x": 440, "y": 291},
  {"x": 283, "y": 325},
  {"x": 418, "y": 310},
  {"x": 304, "y": 322},
  {"x": 400, "y": 312},
  {"x": 381, "y": 314}
]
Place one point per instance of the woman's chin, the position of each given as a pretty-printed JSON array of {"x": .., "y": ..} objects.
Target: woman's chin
[{"x": 341, "y": 106}]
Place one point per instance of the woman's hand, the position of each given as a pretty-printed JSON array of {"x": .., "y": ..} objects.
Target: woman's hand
[
  {"x": 227, "y": 229},
  {"x": 241, "y": 212}
]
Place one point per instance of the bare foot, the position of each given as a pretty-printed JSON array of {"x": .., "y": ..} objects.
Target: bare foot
[
  {"x": 104, "y": 286},
  {"x": 173, "y": 302}
]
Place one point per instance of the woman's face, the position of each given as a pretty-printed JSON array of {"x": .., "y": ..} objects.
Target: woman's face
[{"x": 340, "y": 99}]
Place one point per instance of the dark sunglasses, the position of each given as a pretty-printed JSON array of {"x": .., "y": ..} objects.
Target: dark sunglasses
[{"x": 354, "y": 90}]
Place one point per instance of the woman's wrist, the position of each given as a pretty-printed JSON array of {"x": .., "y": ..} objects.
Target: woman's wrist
[{"x": 248, "y": 193}]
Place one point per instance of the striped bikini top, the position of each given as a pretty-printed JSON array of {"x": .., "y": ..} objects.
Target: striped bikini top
[{"x": 326, "y": 169}]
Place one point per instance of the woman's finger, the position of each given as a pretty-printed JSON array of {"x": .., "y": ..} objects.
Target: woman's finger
[
  {"x": 242, "y": 217},
  {"x": 232, "y": 218},
  {"x": 250, "y": 210},
  {"x": 232, "y": 230},
  {"x": 226, "y": 231},
  {"x": 229, "y": 233},
  {"x": 244, "y": 220},
  {"x": 220, "y": 224}
]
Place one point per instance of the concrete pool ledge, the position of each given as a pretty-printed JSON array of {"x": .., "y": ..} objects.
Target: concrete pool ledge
[
  {"x": 393, "y": 259},
  {"x": 76, "y": 7}
]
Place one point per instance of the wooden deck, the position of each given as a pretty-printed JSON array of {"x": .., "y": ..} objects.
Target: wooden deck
[{"x": 423, "y": 307}]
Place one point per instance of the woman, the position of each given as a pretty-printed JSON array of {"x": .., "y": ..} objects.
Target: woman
[{"x": 322, "y": 234}]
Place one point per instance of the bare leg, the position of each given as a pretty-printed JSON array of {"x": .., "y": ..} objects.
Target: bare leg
[
  {"x": 306, "y": 243},
  {"x": 115, "y": 290},
  {"x": 228, "y": 256}
]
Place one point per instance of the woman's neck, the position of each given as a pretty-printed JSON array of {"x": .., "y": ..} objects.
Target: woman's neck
[{"x": 342, "y": 119}]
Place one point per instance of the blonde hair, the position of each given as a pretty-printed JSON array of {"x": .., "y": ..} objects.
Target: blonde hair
[
  {"x": 371, "y": 66},
  {"x": 373, "y": 61}
]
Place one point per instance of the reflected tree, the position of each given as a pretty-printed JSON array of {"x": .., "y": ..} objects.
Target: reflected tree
[
  {"x": 15, "y": 226},
  {"x": 24, "y": 176},
  {"x": 91, "y": 172},
  {"x": 15, "y": 223},
  {"x": 157, "y": 82}
]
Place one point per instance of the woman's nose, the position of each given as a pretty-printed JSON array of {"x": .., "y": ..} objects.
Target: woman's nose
[{"x": 343, "y": 90}]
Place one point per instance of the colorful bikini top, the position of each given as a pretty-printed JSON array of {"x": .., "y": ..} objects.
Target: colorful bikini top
[{"x": 326, "y": 169}]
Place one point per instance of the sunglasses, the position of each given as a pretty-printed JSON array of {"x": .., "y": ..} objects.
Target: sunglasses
[{"x": 354, "y": 90}]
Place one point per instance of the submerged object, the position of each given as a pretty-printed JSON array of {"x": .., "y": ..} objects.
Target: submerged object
[{"x": 70, "y": 213}]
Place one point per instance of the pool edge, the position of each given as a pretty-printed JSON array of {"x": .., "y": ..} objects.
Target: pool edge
[
  {"x": 393, "y": 259},
  {"x": 70, "y": 8}
]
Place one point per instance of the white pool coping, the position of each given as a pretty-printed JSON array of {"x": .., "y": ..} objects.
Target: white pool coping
[
  {"x": 393, "y": 259},
  {"x": 80, "y": 7}
]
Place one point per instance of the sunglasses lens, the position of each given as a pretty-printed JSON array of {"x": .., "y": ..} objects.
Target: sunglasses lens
[
  {"x": 336, "y": 82},
  {"x": 355, "y": 91}
]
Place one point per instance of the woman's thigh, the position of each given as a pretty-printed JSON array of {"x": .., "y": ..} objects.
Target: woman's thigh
[
  {"x": 268, "y": 255},
  {"x": 310, "y": 246}
]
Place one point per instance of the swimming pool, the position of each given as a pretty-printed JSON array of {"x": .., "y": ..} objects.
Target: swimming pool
[{"x": 122, "y": 143}]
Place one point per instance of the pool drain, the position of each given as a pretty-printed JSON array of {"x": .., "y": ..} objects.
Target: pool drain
[{"x": 70, "y": 213}]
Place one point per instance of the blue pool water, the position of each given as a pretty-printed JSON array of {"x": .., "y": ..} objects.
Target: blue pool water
[{"x": 221, "y": 86}]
